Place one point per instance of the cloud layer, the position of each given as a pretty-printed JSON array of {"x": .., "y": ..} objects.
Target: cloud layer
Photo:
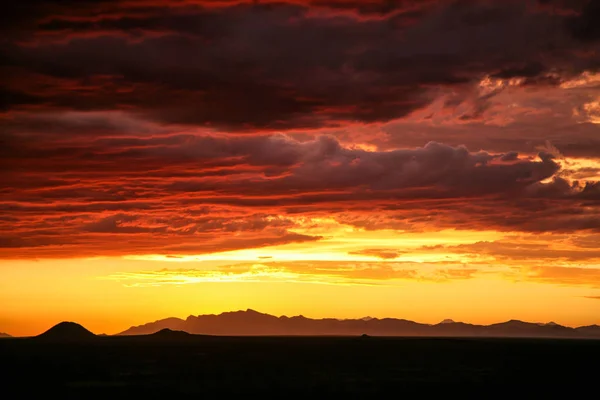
[
  {"x": 194, "y": 127},
  {"x": 198, "y": 194},
  {"x": 247, "y": 66}
]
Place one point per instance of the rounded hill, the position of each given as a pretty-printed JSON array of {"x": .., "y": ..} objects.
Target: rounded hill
[
  {"x": 170, "y": 334},
  {"x": 67, "y": 331}
]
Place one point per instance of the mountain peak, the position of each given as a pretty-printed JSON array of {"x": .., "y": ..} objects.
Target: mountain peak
[
  {"x": 448, "y": 321},
  {"x": 4, "y": 335},
  {"x": 247, "y": 311},
  {"x": 67, "y": 331},
  {"x": 514, "y": 322}
]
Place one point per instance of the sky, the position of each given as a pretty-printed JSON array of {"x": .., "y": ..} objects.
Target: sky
[{"x": 332, "y": 158}]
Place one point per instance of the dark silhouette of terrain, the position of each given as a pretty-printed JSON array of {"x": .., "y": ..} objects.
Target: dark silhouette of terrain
[
  {"x": 170, "y": 364},
  {"x": 67, "y": 331},
  {"x": 253, "y": 323},
  {"x": 590, "y": 330},
  {"x": 4, "y": 335},
  {"x": 169, "y": 334}
]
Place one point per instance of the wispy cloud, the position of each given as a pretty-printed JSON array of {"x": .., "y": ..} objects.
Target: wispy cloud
[{"x": 330, "y": 273}]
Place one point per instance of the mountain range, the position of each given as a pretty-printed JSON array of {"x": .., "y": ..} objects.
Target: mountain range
[{"x": 253, "y": 323}]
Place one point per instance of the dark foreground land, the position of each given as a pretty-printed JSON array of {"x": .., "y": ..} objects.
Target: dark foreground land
[{"x": 214, "y": 367}]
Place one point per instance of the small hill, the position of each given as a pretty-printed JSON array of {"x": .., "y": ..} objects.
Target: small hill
[
  {"x": 169, "y": 334},
  {"x": 67, "y": 331},
  {"x": 4, "y": 335},
  {"x": 156, "y": 326}
]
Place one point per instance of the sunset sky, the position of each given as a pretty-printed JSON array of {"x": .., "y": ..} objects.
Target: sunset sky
[{"x": 419, "y": 159}]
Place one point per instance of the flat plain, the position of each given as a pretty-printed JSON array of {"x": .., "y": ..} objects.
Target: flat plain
[{"x": 212, "y": 367}]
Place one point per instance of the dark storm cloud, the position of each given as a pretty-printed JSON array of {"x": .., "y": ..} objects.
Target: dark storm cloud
[
  {"x": 311, "y": 166},
  {"x": 273, "y": 66},
  {"x": 585, "y": 26}
]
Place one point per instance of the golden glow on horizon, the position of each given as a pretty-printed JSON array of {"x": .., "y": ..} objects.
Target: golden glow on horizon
[
  {"x": 479, "y": 277},
  {"x": 38, "y": 298}
]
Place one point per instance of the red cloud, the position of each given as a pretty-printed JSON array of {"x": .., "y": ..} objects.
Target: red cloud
[
  {"x": 125, "y": 123},
  {"x": 169, "y": 194}
]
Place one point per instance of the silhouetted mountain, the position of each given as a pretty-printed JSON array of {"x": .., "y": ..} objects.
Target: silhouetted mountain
[
  {"x": 526, "y": 329},
  {"x": 170, "y": 334},
  {"x": 592, "y": 331},
  {"x": 4, "y": 335},
  {"x": 253, "y": 323},
  {"x": 67, "y": 331},
  {"x": 451, "y": 328}
]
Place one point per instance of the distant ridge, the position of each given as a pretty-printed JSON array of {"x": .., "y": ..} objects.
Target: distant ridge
[
  {"x": 254, "y": 323},
  {"x": 591, "y": 330},
  {"x": 4, "y": 335},
  {"x": 67, "y": 331}
]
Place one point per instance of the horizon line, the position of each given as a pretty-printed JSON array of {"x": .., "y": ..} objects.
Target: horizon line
[{"x": 366, "y": 318}]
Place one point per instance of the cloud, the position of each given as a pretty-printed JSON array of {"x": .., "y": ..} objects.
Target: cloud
[
  {"x": 333, "y": 273},
  {"x": 248, "y": 66},
  {"x": 565, "y": 275},
  {"x": 204, "y": 126},
  {"x": 584, "y": 26},
  {"x": 322, "y": 164},
  {"x": 522, "y": 251},
  {"x": 385, "y": 254},
  {"x": 188, "y": 188}
]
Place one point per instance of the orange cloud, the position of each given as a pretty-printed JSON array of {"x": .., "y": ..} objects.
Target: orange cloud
[
  {"x": 386, "y": 254},
  {"x": 565, "y": 275}
]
